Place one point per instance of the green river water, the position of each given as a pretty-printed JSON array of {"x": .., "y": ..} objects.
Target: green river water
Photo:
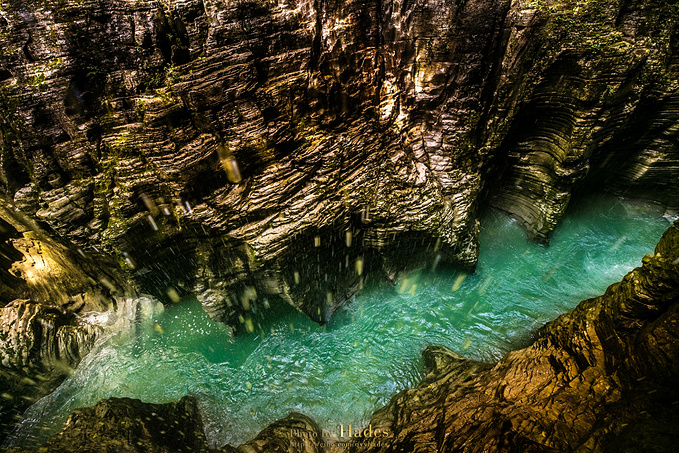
[{"x": 342, "y": 372}]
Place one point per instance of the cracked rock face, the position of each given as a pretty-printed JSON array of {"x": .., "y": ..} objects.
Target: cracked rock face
[{"x": 249, "y": 150}]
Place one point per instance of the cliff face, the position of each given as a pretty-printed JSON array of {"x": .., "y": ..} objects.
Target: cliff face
[{"x": 246, "y": 150}]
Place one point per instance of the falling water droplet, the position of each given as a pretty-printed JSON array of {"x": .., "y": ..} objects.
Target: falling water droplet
[
  {"x": 249, "y": 326},
  {"x": 317, "y": 241},
  {"x": 152, "y": 222},
  {"x": 437, "y": 245},
  {"x": 436, "y": 262},
  {"x": 296, "y": 278},
  {"x": 173, "y": 295},
  {"x": 150, "y": 204},
  {"x": 458, "y": 282},
  {"x": 359, "y": 266},
  {"x": 229, "y": 164},
  {"x": 349, "y": 237}
]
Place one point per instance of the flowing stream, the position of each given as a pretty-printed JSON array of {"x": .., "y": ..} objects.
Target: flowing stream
[{"x": 342, "y": 372}]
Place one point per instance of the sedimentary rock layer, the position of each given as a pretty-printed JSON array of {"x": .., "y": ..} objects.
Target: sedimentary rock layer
[
  {"x": 250, "y": 150},
  {"x": 46, "y": 283},
  {"x": 39, "y": 346}
]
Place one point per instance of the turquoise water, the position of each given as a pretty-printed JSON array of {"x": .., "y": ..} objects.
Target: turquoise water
[{"x": 341, "y": 373}]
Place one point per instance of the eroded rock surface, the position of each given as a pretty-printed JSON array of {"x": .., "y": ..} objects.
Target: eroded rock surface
[
  {"x": 125, "y": 424},
  {"x": 250, "y": 150},
  {"x": 295, "y": 433},
  {"x": 39, "y": 346},
  {"x": 46, "y": 284}
]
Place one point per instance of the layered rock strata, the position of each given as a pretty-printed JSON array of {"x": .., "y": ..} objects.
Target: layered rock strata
[
  {"x": 39, "y": 346},
  {"x": 253, "y": 152},
  {"x": 46, "y": 285}
]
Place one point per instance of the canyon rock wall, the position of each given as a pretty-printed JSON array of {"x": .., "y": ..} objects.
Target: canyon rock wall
[
  {"x": 46, "y": 285},
  {"x": 39, "y": 346},
  {"x": 255, "y": 152}
]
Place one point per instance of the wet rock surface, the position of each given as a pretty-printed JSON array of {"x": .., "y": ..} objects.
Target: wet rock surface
[
  {"x": 39, "y": 346},
  {"x": 295, "y": 433},
  {"x": 46, "y": 285},
  {"x": 124, "y": 424},
  {"x": 251, "y": 150}
]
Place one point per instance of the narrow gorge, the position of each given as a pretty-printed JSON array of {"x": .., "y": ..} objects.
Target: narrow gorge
[{"x": 377, "y": 178}]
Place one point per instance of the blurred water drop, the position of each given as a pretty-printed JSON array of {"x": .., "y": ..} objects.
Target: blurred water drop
[
  {"x": 173, "y": 295},
  {"x": 296, "y": 277},
  {"x": 107, "y": 283},
  {"x": 150, "y": 204},
  {"x": 359, "y": 266},
  {"x": 229, "y": 164},
  {"x": 249, "y": 326},
  {"x": 152, "y": 223},
  {"x": 436, "y": 262},
  {"x": 317, "y": 241},
  {"x": 485, "y": 284},
  {"x": 458, "y": 282},
  {"x": 348, "y": 238},
  {"x": 618, "y": 243},
  {"x": 232, "y": 171}
]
